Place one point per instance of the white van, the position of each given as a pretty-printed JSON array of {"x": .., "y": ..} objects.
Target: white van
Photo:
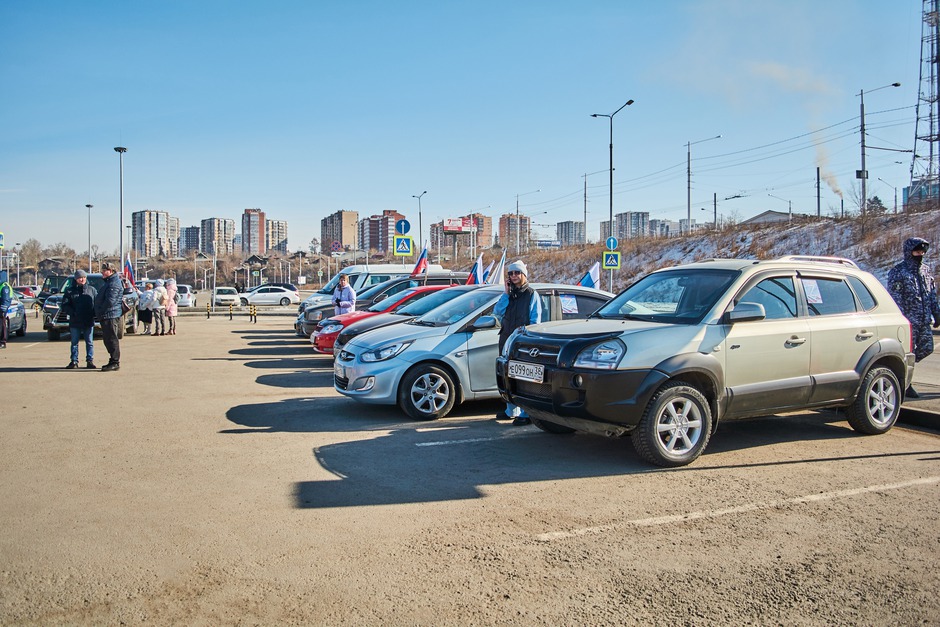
[{"x": 362, "y": 277}]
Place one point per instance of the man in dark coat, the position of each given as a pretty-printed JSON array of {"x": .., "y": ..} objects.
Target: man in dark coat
[
  {"x": 109, "y": 313},
  {"x": 79, "y": 303},
  {"x": 912, "y": 286},
  {"x": 6, "y": 300}
]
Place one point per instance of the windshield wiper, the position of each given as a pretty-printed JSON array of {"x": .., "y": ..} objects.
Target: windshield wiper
[{"x": 422, "y": 323}]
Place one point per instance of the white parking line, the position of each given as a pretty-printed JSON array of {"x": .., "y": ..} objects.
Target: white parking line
[
  {"x": 716, "y": 513},
  {"x": 514, "y": 434}
]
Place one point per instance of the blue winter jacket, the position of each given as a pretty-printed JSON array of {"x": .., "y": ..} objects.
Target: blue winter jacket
[{"x": 108, "y": 299}]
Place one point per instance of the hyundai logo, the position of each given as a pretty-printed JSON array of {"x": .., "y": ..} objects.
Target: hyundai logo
[{"x": 533, "y": 353}]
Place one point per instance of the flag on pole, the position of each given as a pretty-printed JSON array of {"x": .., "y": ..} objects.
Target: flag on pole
[
  {"x": 592, "y": 278},
  {"x": 476, "y": 273},
  {"x": 486, "y": 272},
  {"x": 496, "y": 276},
  {"x": 421, "y": 267},
  {"x": 129, "y": 270}
]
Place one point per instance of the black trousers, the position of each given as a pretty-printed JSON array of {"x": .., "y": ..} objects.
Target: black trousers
[{"x": 109, "y": 334}]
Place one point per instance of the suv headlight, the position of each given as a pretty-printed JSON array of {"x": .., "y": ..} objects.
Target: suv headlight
[
  {"x": 603, "y": 356},
  {"x": 386, "y": 352},
  {"x": 314, "y": 316}
]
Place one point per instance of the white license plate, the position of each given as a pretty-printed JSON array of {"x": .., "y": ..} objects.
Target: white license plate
[{"x": 526, "y": 372}]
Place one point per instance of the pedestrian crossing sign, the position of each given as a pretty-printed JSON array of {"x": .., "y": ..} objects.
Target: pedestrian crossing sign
[
  {"x": 611, "y": 260},
  {"x": 404, "y": 246}
]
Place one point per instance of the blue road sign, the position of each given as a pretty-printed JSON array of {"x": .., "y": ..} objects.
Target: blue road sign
[
  {"x": 403, "y": 246},
  {"x": 612, "y": 243},
  {"x": 611, "y": 260},
  {"x": 402, "y": 226}
]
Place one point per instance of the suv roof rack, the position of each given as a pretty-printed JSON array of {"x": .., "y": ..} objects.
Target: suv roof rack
[{"x": 842, "y": 261}]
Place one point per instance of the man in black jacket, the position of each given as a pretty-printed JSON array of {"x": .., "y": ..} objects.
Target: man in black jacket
[
  {"x": 108, "y": 311},
  {"x": 79, "y": 303}
]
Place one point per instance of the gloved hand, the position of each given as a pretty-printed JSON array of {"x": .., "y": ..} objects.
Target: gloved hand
[{"x": 936, "y": 323}]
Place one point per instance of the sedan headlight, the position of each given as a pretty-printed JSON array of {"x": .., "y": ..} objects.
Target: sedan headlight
[
  {"x": 603, "y": 356},
  {"x": 386, "y": 352},
  {"x": 331, "y": 328}
]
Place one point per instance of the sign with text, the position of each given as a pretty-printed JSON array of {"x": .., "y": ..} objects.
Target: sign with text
[{"x": 458, "y": 225}]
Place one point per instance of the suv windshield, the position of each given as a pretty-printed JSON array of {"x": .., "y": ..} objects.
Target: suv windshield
[
  {"x": 458, "y": 308},
  {"x": 672, "y": 297}
]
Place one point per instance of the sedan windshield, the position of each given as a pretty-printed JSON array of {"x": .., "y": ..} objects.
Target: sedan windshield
[
  {"x": 391, "y": 301},
  {"x": 435, "y": 300},
  {"x": 671, "y": 297},
  {"x": 458, "y": 308}
]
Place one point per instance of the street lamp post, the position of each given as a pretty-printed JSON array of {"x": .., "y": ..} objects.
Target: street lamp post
[
  {"x": 16, "y": 251},
  {"x": 789, "y": 206},
  {"x": 863, "y": 173},
  {"x": 610, "y": 224},
  {"x": 89, "y": 236},
  {"x": 420, "y": 224},
  {"x": 688, "y": 188},
  {"x": 895, "y": 193},
  {"x": 121, "y": 150},
  {"x": 518, "y": 221}
]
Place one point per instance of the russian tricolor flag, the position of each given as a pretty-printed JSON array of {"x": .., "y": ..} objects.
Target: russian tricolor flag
[
  {"x": 421, "y": 267},
  {"x": 129, "y": 270},
  {"x": 592, "y": 278},
  {"x": 476, "y": 273}
]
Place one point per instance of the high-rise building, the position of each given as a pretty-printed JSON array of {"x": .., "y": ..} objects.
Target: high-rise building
[
  {"x": 570, "y": 233},
  {"x": 253, "y": 238},
  {"x": 378, "y": 232},
  {"x": 630, "y": 224},
  {"x": 484, "y": 230},
  {"x": 514, "y": 232},
  {"x": 151, "y": 232},
  {"x": 276, "y": 235},
  {"x": 605, "y": 229},
  {"x": 173, "y": 236},
  {"x": 338, "y": 231},
  {"x": 189, "y": 239},
  {"x": 217, "y": 236}
]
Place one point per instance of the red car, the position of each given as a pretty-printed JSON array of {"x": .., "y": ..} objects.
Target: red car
[{"x": 328, "y": 330}]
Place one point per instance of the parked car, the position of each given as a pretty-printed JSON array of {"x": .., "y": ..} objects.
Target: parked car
[
  {"x": 309, "y": 317},
  {"x": 270, "y": 295},
  {"x": 187, "y": 295},
  {"x": 56, "y": 322},
  {"x": 286, "y": 286},
  {"x": 328, "y": 330},
  {"x": 52, "y": 284},
  {"x": 688, "y": 346},
  {"x": 445, "y": 357},
  {"x": 17, "y": 317},
  {"x": 408, "y": 311},
  {"x": 361, "y": 278},
  {"x": 26, "y": 295},
  {"x": 225, "y": 296}
]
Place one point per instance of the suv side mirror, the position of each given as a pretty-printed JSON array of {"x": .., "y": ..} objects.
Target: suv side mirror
[{"x": 744, "y": 312}]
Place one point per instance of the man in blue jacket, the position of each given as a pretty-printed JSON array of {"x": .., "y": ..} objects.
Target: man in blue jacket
[
  {"x": 108, "y": 311},
  {"x": 6, "y": 299},
  {"x": 79, "y": 303}
]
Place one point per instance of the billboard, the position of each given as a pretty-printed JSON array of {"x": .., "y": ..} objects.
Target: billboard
[{"x": 458, "y": 225}]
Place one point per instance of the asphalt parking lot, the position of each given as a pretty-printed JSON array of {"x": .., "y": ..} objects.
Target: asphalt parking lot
[{"x": 218, "y": 478}]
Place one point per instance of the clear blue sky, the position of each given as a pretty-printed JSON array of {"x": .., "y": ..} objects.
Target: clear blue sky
[{"x": 303, "y": 108}]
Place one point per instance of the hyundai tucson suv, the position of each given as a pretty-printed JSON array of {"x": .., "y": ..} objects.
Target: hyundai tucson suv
[{"x": 685, "y": 347}]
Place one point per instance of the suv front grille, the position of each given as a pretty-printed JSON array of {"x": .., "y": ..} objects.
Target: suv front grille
[
  {"x": 529, "y": 389},
  {"x": 538, "y": 352}
]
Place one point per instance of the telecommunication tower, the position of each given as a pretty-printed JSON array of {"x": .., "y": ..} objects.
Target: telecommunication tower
[{"x": 924, "y": 170}]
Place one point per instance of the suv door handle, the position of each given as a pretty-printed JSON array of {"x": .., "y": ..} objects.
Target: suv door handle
[
  {"x": 864, "y": 335},
  {"x": 796, "y": 341}
]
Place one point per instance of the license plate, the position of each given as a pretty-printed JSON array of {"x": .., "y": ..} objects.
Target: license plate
[{"x": 526, "y": 372}]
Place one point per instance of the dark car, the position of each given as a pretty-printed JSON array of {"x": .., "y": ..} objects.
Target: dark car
[
  {"x": 308, "y": 318},
  {"x": 51, "y": 285},
  {"x": 56, "y": 322}
]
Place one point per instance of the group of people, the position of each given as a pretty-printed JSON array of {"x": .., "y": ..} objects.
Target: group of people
[
  {"x": 84, "y": 304},
  {"x": 157, "y": 307}
]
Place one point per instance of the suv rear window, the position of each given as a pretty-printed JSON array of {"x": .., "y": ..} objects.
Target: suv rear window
[{"x": 865, "y": 296}]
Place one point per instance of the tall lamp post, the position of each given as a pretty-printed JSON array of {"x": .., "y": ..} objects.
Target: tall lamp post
[
  {"x": 420, "y": 225},
  {"x": 688, "y": 187},
  {"x": 518, "y": 219},
  {"x": 895, "y": 192},
  {"x": 863, "y": 173},
  {"x": 89, "y": 236},
  {"x": 789, "y": 206},
  {"x": 611, "y": 169},
  {"x": 16, "y": 249},
  {"x": 121, "y": 150}
]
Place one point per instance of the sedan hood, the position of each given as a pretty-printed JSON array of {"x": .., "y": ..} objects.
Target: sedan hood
[
  {"x": 395, "y": 333},
  {"x": 374, "y": 322}
]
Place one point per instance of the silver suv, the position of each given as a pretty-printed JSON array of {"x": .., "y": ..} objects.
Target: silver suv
[{"x": 686, "y": 346}]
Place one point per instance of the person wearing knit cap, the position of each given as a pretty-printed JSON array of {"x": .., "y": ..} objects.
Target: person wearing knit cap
[
  {"x": 160, "y": 298},
  {"x": 78, "y": 303},
  {"x": 109, "y": 312},
  {"x": 518, "y": 306},
  {"x": 912, "y": 287},
  {"x": 6, "y": 300}
]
